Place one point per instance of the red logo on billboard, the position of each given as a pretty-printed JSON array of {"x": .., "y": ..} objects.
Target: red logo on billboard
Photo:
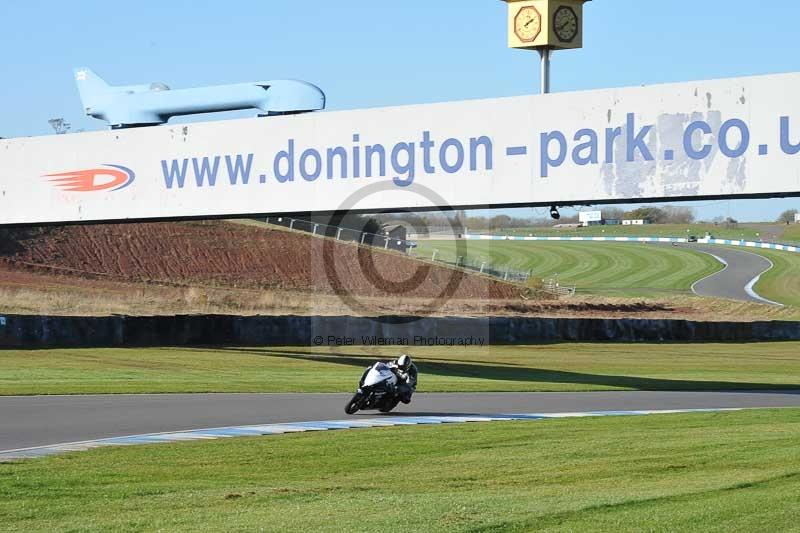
[{"x": 113, "y": 178}]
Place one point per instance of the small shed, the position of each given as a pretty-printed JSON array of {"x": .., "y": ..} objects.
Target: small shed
[{"x": 396, "y": 237}]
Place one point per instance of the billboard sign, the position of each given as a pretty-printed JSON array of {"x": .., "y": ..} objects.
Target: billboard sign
[
  {"x": 590, "y": 216},
  {"x": 725, "y": 138}
]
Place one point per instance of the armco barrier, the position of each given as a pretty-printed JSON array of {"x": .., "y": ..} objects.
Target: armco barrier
[
  {"x": 118, "y": 331},
  {"x": 727, "y": 242}
]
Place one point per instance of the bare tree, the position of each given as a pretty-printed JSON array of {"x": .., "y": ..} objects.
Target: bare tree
[
  {"x": 787, "y": 217},
  {"x": 613, "y": 213}
]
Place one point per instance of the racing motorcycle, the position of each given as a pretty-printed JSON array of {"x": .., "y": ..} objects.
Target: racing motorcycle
[{"x": 376, "y": 390}]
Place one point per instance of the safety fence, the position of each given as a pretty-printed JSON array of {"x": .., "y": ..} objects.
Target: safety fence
[
  {"x": 552, "y": 286},
  {"x": 410, "y": 247},
  {"x": 375, "y": 240},
  {"x": 482, "y": 267}
]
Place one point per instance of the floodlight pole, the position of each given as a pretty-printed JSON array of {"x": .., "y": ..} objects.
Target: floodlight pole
[{"x": 544, "y": 53}]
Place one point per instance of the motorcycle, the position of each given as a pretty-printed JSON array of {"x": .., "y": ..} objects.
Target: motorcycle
[{"x": 376, "y": 390}]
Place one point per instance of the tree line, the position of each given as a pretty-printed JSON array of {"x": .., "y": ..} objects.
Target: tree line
[{"x": 458, "y": 220}]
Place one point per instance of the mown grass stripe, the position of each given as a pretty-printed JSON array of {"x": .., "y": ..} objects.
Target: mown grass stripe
[{"x": 592, "y": 266}]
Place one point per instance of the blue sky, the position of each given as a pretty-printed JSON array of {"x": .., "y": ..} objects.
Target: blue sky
[{"x": 374, "y": 53}]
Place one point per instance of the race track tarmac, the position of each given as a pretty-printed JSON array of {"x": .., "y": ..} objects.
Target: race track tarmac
[
  {"x": 46, "y": 420},
  {"x": 734, "y": 281}
]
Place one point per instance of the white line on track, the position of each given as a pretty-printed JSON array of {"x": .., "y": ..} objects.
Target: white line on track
[{"x": 326, "y": 425}]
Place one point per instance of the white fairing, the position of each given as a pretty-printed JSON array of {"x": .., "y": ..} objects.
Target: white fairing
[{"x": 379, "y": 373}]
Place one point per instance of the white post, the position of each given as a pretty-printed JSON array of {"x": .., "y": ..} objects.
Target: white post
[
  {"x": 315, "y": 229},
  {"x": 338, "y": 234},
  {"x": 434, "y": 255},
  {"x": 483, "y": 265},
  {"x": 291, "y": 224},
  {"x": 363, "y": 236}
]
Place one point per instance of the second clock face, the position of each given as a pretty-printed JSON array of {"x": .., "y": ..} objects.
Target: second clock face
[
  {"x": 528, "y": 24},
  {"x": 565, "y": 24}
]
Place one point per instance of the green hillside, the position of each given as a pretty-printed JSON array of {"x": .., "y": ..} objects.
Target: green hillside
[{"x": 620, "y": 269}]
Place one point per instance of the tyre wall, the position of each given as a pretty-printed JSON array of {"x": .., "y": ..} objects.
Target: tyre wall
[{"x": 18, "y": 331}]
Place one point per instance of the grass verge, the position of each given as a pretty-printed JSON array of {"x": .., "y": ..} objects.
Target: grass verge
[
  {"x": 782, "y": 283},
  {"x": 619, "y": 269},
  {"x": 735, "y": 471},
  {"x": 556, "y": 367}
]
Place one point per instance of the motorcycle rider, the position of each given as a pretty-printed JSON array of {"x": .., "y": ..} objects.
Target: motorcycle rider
[{"x": 406, "y": 372}]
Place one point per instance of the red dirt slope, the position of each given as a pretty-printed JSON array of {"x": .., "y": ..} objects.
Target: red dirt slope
[{"x": 224, "y": 254}]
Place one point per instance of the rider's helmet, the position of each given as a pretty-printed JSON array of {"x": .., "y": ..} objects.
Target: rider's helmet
[{"x": 404, "y": 362}]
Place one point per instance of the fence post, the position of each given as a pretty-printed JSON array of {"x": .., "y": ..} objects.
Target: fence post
[
  {"x": 434, "y": 255},
  {"x": 385, "y": 243},
  {"x": 363, "y": 236},
  {"x": 483, "y": 265},
  {"x": 338, "y": 234},
  {"x": 506, "y": 276},
  {"x": 267, "y": 220},
  {"x": 291, "y": 223},
  {"x": 315, "y": 229}
]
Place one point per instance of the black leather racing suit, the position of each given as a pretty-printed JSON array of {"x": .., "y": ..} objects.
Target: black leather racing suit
[{"x": 406, "y": 381}]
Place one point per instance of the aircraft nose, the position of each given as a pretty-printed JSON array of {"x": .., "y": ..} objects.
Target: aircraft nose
[{"x": 294, "y": 95}]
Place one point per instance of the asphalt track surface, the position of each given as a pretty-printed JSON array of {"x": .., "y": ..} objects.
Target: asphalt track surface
[
  {"x": 736, "y": 280},
  {"x": 28, "y": 421}
]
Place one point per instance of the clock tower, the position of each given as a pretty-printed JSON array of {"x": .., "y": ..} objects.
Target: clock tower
[
  {"x": 552, "y": 24},
  {"x": 544, "y": 26}
]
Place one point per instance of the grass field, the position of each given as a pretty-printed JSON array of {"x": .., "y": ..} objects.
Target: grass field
[
  {"x": 782, "y": 283},
  {"x": 557, "y": 367},
  {"x": 735, "y": 471},
  {"x": 791, "y": 233},
  {"x": 625, "y": 269},
  {"x": 768, "y": 232},
  {"x": 595, "y": 268}
]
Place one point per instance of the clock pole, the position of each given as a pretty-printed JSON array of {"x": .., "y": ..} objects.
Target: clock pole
[{"x": 545, "y": 57}]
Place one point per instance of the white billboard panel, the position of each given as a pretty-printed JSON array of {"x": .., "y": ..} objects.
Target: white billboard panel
[
  {"x": 731, "y": 138},
  {"x": 590, "y": 216}
]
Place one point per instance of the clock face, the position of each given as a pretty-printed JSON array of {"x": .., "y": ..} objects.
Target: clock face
[
  {"x": 565, "y": 24},
  {"x": 527, "y": 24}
]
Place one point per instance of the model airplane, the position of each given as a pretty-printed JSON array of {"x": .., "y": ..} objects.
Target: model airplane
[{"x": 151, "y": 104}]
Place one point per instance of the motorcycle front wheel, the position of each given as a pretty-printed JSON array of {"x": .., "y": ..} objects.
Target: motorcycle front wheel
[{"x": 352, "y": 406}]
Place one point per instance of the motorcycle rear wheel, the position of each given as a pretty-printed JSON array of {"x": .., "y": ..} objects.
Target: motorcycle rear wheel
[{"x": 353, "y": 405}]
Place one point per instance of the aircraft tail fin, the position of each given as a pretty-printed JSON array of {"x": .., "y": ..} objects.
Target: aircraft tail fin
[{"x": 90, "y": 86}]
